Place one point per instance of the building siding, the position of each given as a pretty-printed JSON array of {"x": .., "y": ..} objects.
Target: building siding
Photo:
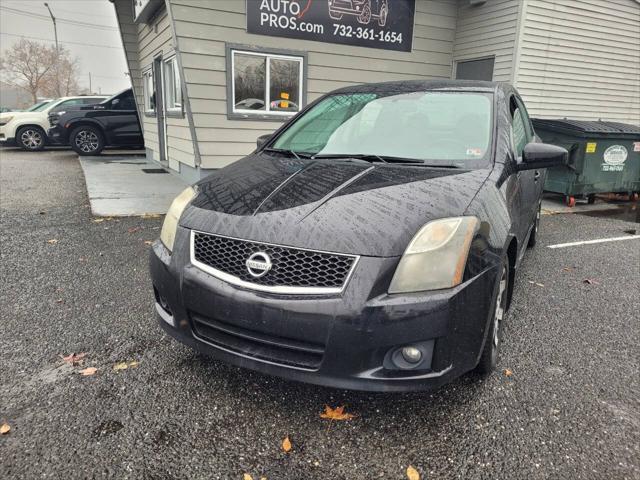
[
  {"x": 488, "y": 30},
  {"x": 581, "y": 59},
  {"x": 145, "y": 42},
  {"x": 203, "y": 29}
]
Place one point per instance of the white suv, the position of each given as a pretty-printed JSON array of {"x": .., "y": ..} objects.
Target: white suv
[{"x": 28, "y": 129}]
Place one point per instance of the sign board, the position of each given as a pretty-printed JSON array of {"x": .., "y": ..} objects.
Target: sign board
[{"x": 385, "y": 24}]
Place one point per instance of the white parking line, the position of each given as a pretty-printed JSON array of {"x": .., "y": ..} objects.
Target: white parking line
[{"x": 600, "y": 240}]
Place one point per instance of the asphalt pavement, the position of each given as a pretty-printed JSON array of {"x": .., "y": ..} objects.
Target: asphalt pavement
[{"x": 564, "y": 404}]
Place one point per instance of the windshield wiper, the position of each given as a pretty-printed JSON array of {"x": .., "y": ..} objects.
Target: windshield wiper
[
  {"x": 371, "y": 157},
  {"x": 284, "y": 151}
]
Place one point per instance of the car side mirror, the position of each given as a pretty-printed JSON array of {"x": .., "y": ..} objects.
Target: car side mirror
[
  {"x": 543, "y": 155},
  {"x": 262, "y": 139}
]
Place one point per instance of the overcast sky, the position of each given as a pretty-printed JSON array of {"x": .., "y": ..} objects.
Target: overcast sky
[{"x": 97, "y": 46}]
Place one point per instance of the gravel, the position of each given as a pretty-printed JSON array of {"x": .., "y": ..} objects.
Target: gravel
[{"x": 570, "y": 409}]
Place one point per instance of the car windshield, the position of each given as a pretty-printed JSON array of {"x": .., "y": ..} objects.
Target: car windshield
[
  {"x": 38, "y": 107},
  {"x": 436, "y": 128}
]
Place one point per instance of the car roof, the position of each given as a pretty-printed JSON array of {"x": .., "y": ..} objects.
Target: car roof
[{"x": 422, "y": 85}]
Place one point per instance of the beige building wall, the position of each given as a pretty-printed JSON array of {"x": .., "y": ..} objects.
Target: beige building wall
[{"x": 581, "y": 59}]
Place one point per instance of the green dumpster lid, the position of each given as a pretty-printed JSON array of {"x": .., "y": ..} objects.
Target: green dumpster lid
[{"x": 584, "y": 128}]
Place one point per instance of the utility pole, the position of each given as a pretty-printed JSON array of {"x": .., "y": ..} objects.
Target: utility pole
[
  {"x": 90, "y": 90},
  {"x": 55, "y": 34}
]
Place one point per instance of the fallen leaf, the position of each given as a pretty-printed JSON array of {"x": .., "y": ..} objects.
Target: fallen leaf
[
  {"x": 286, "y": 444},
  {"x": 246, "y": 476},
  {"x": 74, "y": 358},
  {"x": 98, "y": 220},
  {"x": 591, "y": 281},
  {"x": 567, "y": 269},
  {"x": 335, "y": 413},
  {"x": 412, "y": 473},
  {"x": 42, "y": 212},
  {"x": 5, "y": 428},
  {"x": 508, "y": 372},
  {"x": 88, "y": 371},
  {"x": 148, "y": 242},
  {"x": 134, "y": 364},
  {"x": 52, "y": 241},
  {"x": 120, "y": 366},
  {"x": 134, "y": 229},
  {"x": 150, "y": 215}
]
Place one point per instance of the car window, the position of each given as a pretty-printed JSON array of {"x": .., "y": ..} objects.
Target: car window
[
  {"x": 91, "y": 100},
  {"x": 448, "y": 128},
  {"x": 525, "y": 117},
  {"x": 519, "y": 133},
  {"x": 126, "y": 102},
  {"x": 38, "y": 107}
]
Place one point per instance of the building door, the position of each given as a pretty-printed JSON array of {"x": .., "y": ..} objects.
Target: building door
[{"x": 161, "y": 117}]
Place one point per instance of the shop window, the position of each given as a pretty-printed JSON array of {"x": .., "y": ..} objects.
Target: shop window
[
  {"x": 265, "y": 85},
  {"x": 172, "y": 86},
  {"x": 149, "y": 91},
  {"x": 477, "y": 69}
]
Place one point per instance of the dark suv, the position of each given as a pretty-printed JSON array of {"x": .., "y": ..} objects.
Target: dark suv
[{"x": 114, "y": 122}]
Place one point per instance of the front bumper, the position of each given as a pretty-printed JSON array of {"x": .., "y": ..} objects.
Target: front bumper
[
  {"x": 342, "y": 341},
  {"x": 56, "y": 136},
  {"x": 7, "y": 135}
]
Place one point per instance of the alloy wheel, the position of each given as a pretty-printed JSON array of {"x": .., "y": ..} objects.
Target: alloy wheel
[
  {"x": 87, "y": 141},
  {"x": 31, "y": 139}
]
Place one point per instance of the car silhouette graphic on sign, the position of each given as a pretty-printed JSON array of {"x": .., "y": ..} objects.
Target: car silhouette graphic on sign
[{"x": 363, "y": 10}]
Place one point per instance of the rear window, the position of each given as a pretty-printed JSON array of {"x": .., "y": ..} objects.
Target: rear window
[{"x": 442, "y": 128}]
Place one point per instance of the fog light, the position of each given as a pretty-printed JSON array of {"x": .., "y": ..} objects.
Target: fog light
[{"x": 411, "y": 354}]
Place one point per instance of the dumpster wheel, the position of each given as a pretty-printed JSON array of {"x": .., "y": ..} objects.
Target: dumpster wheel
[
  {"x": 633, "y": 197},
  {"x": 570, "y": 201}
]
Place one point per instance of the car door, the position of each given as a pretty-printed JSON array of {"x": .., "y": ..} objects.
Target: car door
[
  {"x": 526, "y": 179},
  {"x": 121, "y": 122},
  {"x": 538, "y": 175}
]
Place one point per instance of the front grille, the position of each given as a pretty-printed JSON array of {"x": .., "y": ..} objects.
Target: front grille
[
  {"x": 291, "y": 267},
  {"x": 276, "y": 349}
]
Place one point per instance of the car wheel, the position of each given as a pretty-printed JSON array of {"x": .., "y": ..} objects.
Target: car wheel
[
  {"x": 489, "y": 356},
  {"x": 365, "y": 14},
  {"x": 533, "y": 238},
  {"x": 382, "y": 19},
  {"x": 31, "y": 139},
  {"x": 87, "y": 140}
]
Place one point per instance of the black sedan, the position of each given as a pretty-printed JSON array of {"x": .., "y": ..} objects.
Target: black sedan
[{"x": 370, "y": 243}]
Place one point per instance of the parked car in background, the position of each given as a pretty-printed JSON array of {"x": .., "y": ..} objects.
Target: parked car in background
[
  {"x": 28, "y": 129},
  {"x": 372, "y": 242},
  {"x": 113, "y": 122}
]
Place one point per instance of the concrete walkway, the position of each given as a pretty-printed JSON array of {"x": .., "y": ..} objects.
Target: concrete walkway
[{"x": 128, "y": 185}]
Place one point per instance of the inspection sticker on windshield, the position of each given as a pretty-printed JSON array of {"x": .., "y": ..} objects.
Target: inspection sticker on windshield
[
  {"x": 474, "y": 152},
  {"x": 591, "y": 147}
]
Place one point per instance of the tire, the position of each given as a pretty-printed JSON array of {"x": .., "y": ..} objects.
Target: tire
[
  {"x": 533, "y": 238},
  {"x": 591, "y": 199},
  {"x": 31, "y": 139},
  {"x": 382, "y": 18},
  {"x": 335, "y": 15},
  {"x": 365, "y": 15},
  {"x": 87, "y": 140},
  {"x": 491, "y": 349}
]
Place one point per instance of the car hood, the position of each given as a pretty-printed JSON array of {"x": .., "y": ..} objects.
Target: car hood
[
  {"x": 342, "y": 206},
  {"x": 24, "y": 115}
]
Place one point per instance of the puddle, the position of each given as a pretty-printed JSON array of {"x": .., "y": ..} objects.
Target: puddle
[{"x": 627, "y": 213}]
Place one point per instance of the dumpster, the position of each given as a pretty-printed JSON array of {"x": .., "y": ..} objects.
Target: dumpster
[{"x": 604, "y": 157}]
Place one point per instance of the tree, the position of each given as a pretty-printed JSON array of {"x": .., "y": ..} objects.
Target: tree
[{"x": 39, "y": 69}]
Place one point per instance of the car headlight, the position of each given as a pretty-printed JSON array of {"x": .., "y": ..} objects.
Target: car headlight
[
  {"x": 170, "y": 225},
  {"x": 436, "y": 256},
  {"x": 5, "y": 120}
]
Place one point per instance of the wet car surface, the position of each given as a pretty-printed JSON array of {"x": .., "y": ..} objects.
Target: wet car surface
[{"x": 333, "y": 256}]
